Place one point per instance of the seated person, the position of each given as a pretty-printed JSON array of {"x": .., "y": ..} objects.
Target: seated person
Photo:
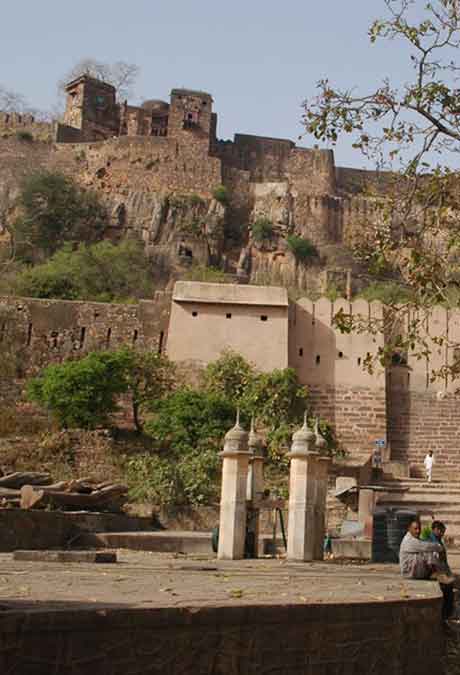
[
  {"x": 421, "y": 559},
  {"x": 438, "y": 530},
  {"x": 426, "y": 560}
]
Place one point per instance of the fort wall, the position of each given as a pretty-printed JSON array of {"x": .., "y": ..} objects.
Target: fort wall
[
  {"x": 51, "y": 331},
  {"x": 331, "y": 364}
]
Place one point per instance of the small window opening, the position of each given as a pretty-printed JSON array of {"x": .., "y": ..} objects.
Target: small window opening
[
  {"x": 107, "y": 337},
  {"x": 301, "y": 352},
  {"x": 228, "y": 316},
  {"x": 82, "y": 337},
  {"x": 318, "y": 360},
  {"x": 54, "y": 335},
  {"x": 264, "y": 317},
  {"x": 29, "y": 334},
  {"x": 194, "y": 313},
  {"x": 359, "y": 360},
  {"x": 160, "y": 342},
  {"x": 2, "y": 332},
  {"x": 135, "y": 336},
  {"x": 340, "y": 355}
]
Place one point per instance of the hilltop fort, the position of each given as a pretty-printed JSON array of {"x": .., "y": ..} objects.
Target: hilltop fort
[{"x": 193, "y": 198}]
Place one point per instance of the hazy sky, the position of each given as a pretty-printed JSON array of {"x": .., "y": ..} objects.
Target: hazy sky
[{"x": 258, "y": 58}]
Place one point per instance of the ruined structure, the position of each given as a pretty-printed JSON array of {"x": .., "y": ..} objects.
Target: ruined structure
[{"x": 193, "y": 198}]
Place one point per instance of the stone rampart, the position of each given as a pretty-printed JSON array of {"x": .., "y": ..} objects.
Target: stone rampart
[{"x": 50, "y": 331}]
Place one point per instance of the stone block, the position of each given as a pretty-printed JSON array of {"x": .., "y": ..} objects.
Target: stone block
[{"x": 66, "y": 556}]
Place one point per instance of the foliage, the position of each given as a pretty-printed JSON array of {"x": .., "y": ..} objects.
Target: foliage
[
  {"x": 152, "y": 479},
  {"x": 230, "y": 376},
  {"x": 387, "y": 292},
  {"x": 302, "y": 248},
  {"x": 25, "y": 136},
  {"x": 149, "y": 377},
  {"x": 189, "y": 419},
  {"x": 55, "y": 210},
  {"x": 189, "y": 479},
  {"x": 426, "y": 533},
  {"x": 207, "y": 274},
  {"x": 81, "y": 393},
  {"x": 102, "y": 272},
  {"x": 220, "y": 194},
  {"x": 262, "y": 230},
  {"x": 187, "y": 429},
  {"x": 411, "y": 131},
  {"x": 120, "y": 74}
]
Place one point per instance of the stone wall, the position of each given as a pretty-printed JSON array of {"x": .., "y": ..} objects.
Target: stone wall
[
  {"x": 17, "y": 123},
  {"x": 375, "y": 638},
  {"x": 421, "y": 421},
  {"x": 50, "y": 331}
]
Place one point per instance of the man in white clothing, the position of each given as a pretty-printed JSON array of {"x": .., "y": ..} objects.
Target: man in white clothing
[{"x": 428, "y": 462}]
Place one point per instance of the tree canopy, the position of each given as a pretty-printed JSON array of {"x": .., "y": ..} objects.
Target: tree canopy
[{"x": 411, "y": 132}]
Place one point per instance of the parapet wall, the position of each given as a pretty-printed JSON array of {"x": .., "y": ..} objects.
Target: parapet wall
[
  {"x": 50, "y": 331},
  {"x": 15, "y": 123}
]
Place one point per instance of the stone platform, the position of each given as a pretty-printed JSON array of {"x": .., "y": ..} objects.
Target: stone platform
[{"x": 164, "y": 613}]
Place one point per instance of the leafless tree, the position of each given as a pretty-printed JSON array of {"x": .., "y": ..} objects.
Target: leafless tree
[
  {"x": 120, "y": 74},
  {"x": 12, "y": 101}
]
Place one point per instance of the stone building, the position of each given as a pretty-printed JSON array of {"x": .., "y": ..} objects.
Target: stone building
[{"x": 209, "y": 318}]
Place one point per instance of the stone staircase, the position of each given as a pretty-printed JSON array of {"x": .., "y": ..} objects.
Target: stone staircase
[{"x": 440, "y": 499}]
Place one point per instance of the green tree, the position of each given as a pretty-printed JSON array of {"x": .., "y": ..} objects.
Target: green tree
[
  {"x": 229, "y": 376},
  {"x": 149, "y": 376},
  {"x": 81, "y": 393},
  {"x": 412, "y": 131},
  {"x": 55, "y": 210},
  {"x": 189, "y": 419},
  {"x": 103, "y": 272},
  {"x": 262, "y": 229}
]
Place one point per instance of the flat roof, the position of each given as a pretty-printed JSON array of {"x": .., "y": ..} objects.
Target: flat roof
[
  {"x": 178, "y": 91},
  {"x": 230, "y": 294}
]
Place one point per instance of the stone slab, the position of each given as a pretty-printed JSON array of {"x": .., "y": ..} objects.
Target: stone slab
[
  {"x": 172, "y": 541},
  {"x": 66, "y": 556},
  {"x": 352, "y": 548}
]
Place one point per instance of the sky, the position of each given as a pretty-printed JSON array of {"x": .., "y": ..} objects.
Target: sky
[{"x": 258, "y": 58}]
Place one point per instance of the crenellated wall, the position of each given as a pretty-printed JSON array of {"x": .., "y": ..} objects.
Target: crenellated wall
[{"x": 331, "y": 363}]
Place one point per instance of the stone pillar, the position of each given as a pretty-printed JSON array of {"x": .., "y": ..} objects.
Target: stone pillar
[
  {"x": 232, "y": 524},
  {"x": 323, "y": 464},
  {"x": 302, "y": 493},
  {"x": 366, "y": 510},
  {"x": 255, "y": 485}
]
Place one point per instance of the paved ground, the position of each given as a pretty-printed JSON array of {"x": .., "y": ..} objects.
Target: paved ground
[{"x": 160, "y": 580}]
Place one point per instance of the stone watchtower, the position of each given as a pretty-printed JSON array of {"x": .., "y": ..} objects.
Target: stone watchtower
[
  {"x": 92, "y": 109},
  {"x": 191, "y": 115}
]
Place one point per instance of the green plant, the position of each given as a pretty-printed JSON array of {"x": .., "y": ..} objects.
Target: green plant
[
  {"x": 196, "y": 200},
  {"x": 149, "y": 377},
  {"x": 25, "y": 136},
  {"x": 230, "y": 376},
  {"x": 81, "y": 393},
  {"x": 262, "y": 229},
  {"x": 102, "y": 272},
  {"x": 387, "y": 292},
  {"x": 55, "y": 210},
  {"x": 207, "y": 274},
  {"x": 425, "y": 533},
  {"x": 189, "y": 419},
  {"x": 220, "y": 194},
  {"x": 302, "y": 248}
]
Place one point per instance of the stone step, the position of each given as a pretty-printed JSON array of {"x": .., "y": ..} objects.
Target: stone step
[{"x": 170, "y": 541}]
